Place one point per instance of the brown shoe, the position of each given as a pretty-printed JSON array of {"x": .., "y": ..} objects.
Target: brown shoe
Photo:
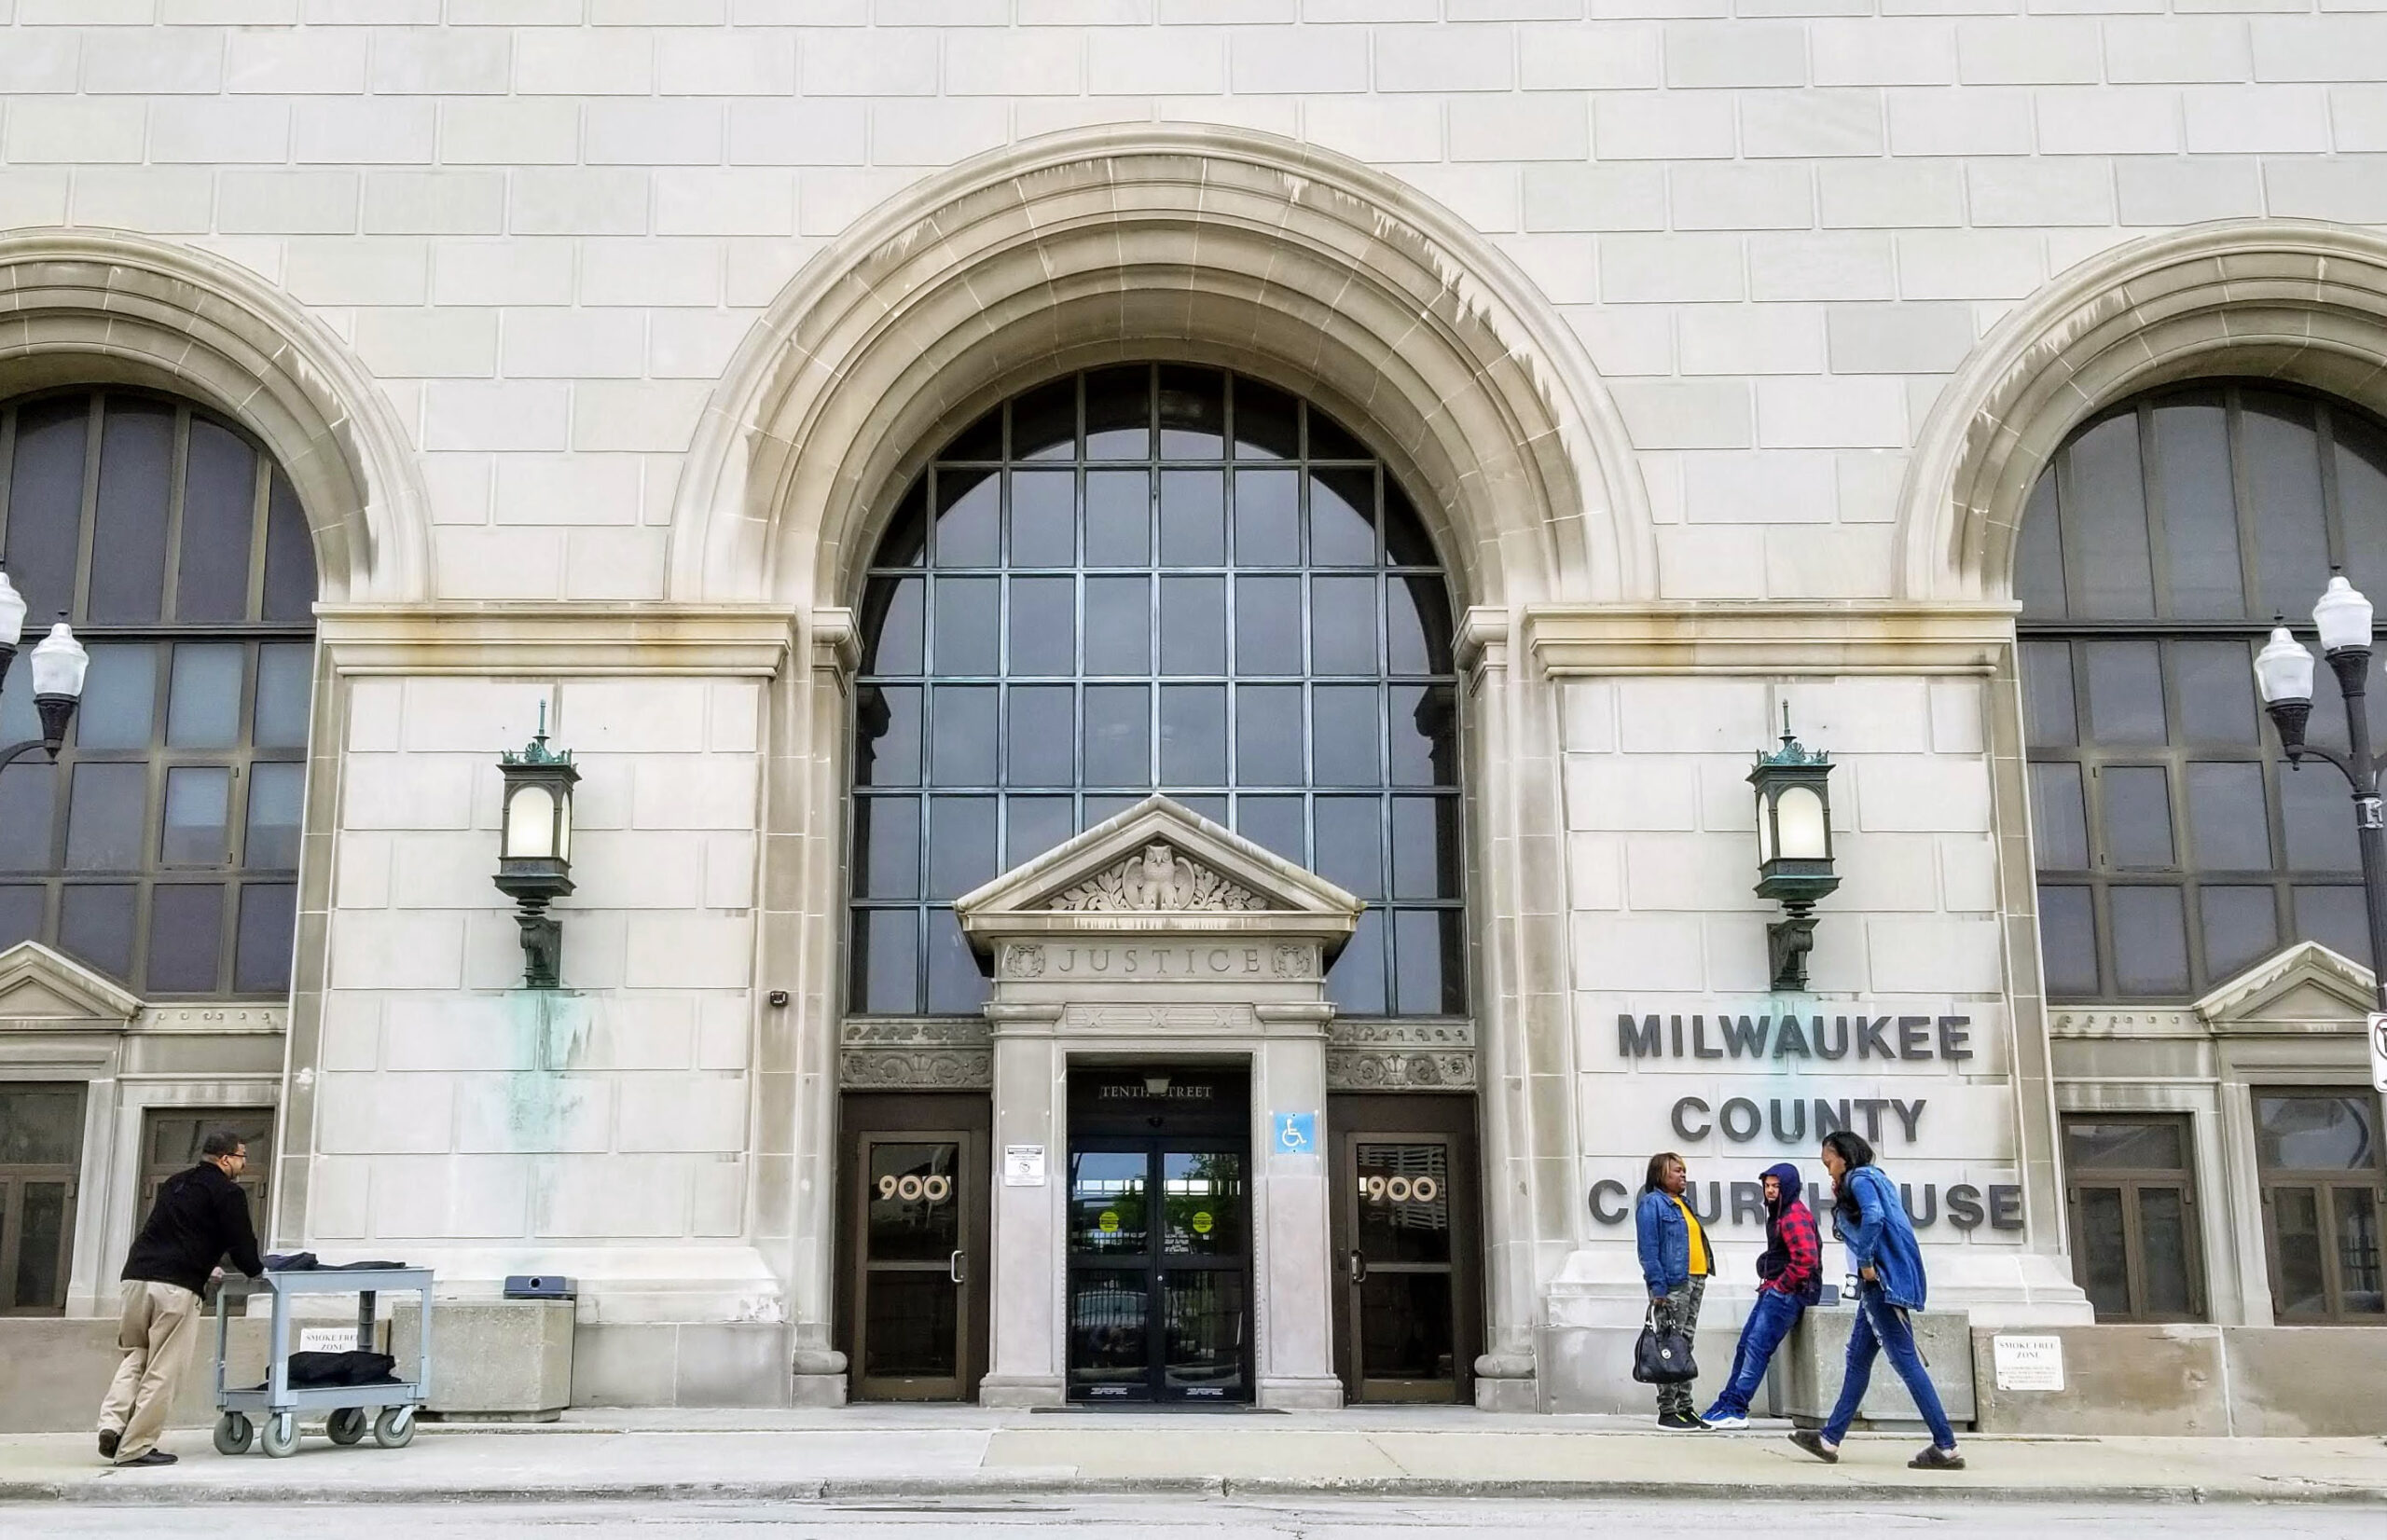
[
  {"x": 1935, "y": 1458},
  {"x": 1812, "y": 1442},
  {"x": 109, "y": 1439}
]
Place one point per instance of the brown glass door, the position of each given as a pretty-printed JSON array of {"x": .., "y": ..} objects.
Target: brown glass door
[
  {"x": 915, "y": 1225},
  {"x": 1407, "y": 1318}
]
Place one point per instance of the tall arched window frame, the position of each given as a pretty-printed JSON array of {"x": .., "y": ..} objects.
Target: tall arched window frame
[
  {"x": 162, "y": 848},
  {"x": 2173, "y": 846},
  {"x": 1155, "y": 577}
]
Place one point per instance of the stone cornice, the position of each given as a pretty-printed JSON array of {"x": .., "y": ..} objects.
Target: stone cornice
[
  {"x": 507, "y": 638},
  {"x": 1745, "y": 637}
]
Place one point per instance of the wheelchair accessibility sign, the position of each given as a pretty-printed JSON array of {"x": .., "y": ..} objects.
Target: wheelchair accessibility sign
[{"x": 1296, "y": 1133}]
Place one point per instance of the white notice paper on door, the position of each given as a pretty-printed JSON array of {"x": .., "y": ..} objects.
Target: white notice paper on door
[
  {"x": 2028, "y": 1363},
  {"x": 1023, "y": 1165}
]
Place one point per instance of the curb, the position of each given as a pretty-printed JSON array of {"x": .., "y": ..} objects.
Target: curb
[{"x": 833, "y": 1491}]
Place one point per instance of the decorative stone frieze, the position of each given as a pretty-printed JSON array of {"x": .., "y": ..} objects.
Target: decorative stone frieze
[
  {"x": 1398, "y": 1055},
  {"x": 932, "y": 1053},
  {"x": 1157, "y": 880}
]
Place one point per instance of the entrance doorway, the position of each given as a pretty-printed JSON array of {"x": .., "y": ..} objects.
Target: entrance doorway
[
  {"x": 913, "y": 1296},
  {"x": 1159, "y": 1235},
  {"x": 1408, "y": 1319}
]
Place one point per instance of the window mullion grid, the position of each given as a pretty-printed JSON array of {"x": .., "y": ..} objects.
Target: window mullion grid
[
  {"x": 2151, "y": 499},
  {"x": 177, "y": 493},
  {"x": 88, "y": 517},
  {"x": 7, "y": 469}
]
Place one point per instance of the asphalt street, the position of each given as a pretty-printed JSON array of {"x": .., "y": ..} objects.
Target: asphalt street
[{"x": 1188, "y": 1518}]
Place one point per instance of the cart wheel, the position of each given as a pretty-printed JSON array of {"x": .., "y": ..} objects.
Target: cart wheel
[
  {"x": 233, "y": 1432},
  {"x": 347, "y": 1426},
  {"x": 394, "y": 1427},
  {"x": 280, "y": 1436}
]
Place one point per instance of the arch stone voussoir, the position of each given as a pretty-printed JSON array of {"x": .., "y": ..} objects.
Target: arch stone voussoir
[
  {"x": 1206, "y": 245},
  {"x": 2295, "y": 301}
]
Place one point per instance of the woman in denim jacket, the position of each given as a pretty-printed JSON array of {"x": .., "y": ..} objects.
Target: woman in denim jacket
[{"x": 1675, "y": 1265}]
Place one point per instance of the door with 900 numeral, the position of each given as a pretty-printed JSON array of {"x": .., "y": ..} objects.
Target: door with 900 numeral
[
  {"x": 917, "y": 1221},
  {"x": 1407, "y": 1317}
]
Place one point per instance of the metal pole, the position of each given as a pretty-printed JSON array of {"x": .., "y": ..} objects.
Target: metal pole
[{"x": 2352, "y": 665}]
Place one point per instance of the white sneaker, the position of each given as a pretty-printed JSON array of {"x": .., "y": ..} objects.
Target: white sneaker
[{"x": 1724, "y": 1423}]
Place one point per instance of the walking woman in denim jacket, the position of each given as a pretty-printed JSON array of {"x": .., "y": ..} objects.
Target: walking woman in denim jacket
[{"x": 1871, "y": 1220}]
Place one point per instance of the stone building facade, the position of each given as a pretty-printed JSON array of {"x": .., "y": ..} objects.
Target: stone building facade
[{"x": 652, "y": 372}]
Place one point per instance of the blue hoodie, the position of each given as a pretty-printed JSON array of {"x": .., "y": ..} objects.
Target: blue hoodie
[{"x": 1883, "y": 1237}]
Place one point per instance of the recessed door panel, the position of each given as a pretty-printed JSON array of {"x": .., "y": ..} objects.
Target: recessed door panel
[
  {"x": 916, "y": 1228},
  {"x": 1406, "y": 1313}
]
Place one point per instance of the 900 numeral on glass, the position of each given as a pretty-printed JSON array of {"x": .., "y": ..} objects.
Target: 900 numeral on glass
[
  {"x": 913, "y": 1189},
  {"x": 1400, "y": 1189}
]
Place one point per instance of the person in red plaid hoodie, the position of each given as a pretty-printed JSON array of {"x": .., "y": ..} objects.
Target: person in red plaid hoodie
[{"x": 1791, "y": 1276}]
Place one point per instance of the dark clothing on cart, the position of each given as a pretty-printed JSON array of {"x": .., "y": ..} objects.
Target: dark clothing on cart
[
  {"x": 201, "y": 1215},
  {"x": 313, "y": 1371}
]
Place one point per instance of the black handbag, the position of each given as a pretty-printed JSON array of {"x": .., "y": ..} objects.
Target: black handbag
[{"x": 1663, "y": 1357}]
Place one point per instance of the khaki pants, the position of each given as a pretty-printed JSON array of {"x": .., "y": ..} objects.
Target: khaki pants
[{"x": 159, "y": 1324}]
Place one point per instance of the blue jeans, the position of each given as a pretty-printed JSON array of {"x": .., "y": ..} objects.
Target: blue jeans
[
  {"x": 1769, "y": 1321},
  {"x": 1879, "y": 1324}
]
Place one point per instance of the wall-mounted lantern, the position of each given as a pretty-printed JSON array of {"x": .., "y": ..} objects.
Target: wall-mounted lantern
[
  {"x": 534, "y": 851},
  {"x": 1793, "y": 850}
]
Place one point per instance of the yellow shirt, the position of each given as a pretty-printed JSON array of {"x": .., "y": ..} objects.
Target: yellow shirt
[{"x": 1697, "y": 1240}]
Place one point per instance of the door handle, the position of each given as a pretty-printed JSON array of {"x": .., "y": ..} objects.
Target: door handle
[
  {"x": 1359, "y": 1267},
  {"x": 953, "y": 1267}
]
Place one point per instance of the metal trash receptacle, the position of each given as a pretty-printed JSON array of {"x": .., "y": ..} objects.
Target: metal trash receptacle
[{"x": 269, "y": 1412}]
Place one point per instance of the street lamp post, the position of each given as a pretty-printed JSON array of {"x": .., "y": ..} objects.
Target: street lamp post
[
  {"x": 2284, "y": 674},
  {"x": 59, "y": 664}
]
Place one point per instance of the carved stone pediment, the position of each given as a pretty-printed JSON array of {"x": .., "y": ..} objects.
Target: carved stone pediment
[
  {"x": 2301, "y": 987},
  {"x": 47, "y": 990},
  {"x": 1156, "y": 880}
]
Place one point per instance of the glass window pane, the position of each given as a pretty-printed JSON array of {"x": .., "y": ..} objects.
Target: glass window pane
[
  {"x": 1043, "y": 517},
  {"x": 203, "y": 699},
  {"x": 1118, "y": 518},
  {"x": 128, "y": 520},
  {"x": 18, "y": 720},
  {"x": 106, "y": 817},
  {"x": 1193, "y": 413},
  {"x": 2240, "y": 928},
  {"x": 2362, "y": 498},
  {"x": 2058, "y": 817},
  {"x": 1044, "y": 736},
  {"x": 1268, "y": 625},
  {"x": 2150, "y": 942},
  {"x": 2283, "y": 482},
  {"x": 1342, "y": 518},
  {"x": 2038, "y": 554},
  {"x": 2104, "y": 514},
  {"x": 1044, "y": 422},
  {"x": 1266, "y": 422},
  {"x": 197, "y": 828},
  {"x": 2199, "y": 506},
  {"x": 95, "y": 926},
  {"x": 2316, "y": 1131},
  {"x": 2295, "y": 1233},
  {"x": 1343, "y": 625},
  {"x": 955, "y": 985},
  {"x": 289, "y": 556},
  {"x": 1425, "y": 734},
  {"x": 1418, "y": 625},
  {"x": 1119, "y": 413},
  {"x": 2217, "y": 691},
  {"x": 219, "y": 516},
  {"x": 1043, "y": 626},
  {"x": 46, "y": 504},
  {"x": 886, "y": 961},
  {"x": 41, "y": 1246},
  {"x": 2049, "y": 719},
  {"x": 2229, "y": 818},
  {"x": 1343, "y": 735},
  {"x": 2164, "y": 1245},
  {"x": 2357, "y": 1249},
  {"x": 1350, "y": 847},
  {"x": 1118, "y": 734},
  {"x": 1426, "y": 848},
  {"x": 1194, "y": 735},
  {"x": 961, "y": 844},
  {"x": 962, "y": 735},
  {"x": 1330, "y": 440},
  {"x": 2334, "y": 917},
  {"x": 1118, "y": 625},
  {"x": 286, "y": 673},
  {"x": 1274, "y": 823},
  {"x": 981, "y": 440},
  {"x": 186, "y": 934},
  {"x": 22, "y": 906},
  {"x": 2068, "y": 940},
  {"x": 1267, "y": 518},
  {"x": 887, "y": 736},
  {"x": 906, "y": 540},
  {"x": 1268, "y": 734},
  {"x": 26, "y": 816},
  {"x": 1406, "y": 543},
  {"x": 1193, "y": 625},
  {"x": 1356, "y": 981},
  {"x": 886, "y": 847},
  {"x": 119, "y": 697},
  {"x": 969, "y": 517},
  {"x": 966, "y": 629},
  {"x": 2317, "y": 812},
  {"x": 893, "y": 611},
  {"x": 2125, "y": 692},
  {"x": 1035, "y": 825},
  {"x": 2157, "y": 1144},
  {"x": 1426, "y": 962},
  {"x": 1193, "y": 518},
  {"x": 269, "y": 924},
  {"x": 2105, "y": 1265},
  {"x": 41, "y": 1124}
]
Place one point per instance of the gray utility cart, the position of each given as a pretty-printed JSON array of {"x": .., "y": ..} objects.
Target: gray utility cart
[{"x": 270, "y": 1411}]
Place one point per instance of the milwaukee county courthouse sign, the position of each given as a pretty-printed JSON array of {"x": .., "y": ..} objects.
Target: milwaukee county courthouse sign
[{"x": 1164, "y": 620}]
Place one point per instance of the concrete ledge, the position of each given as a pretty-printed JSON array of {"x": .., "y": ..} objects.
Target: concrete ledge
[
  {"x": 507, "y": 1358},
  {"x": 54, "y": 1372},
  {"x": 1804, "y": 1383},
  {"x": 685, "y": 1364},
  {"x": 2246, "y": 1381}
]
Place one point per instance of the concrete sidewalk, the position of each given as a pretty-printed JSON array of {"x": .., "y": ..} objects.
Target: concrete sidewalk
[{"x": 930, "y": 1453}]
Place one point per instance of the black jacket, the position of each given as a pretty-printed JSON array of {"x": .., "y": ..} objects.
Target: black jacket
[{"x": 201, "y": 1214}]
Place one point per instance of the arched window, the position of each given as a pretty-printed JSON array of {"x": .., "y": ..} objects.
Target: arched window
[
  {"x": 1155, "y": 578},
  {"x": 162, "y": 848},
  {"x": 2173, "y": 846}
]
